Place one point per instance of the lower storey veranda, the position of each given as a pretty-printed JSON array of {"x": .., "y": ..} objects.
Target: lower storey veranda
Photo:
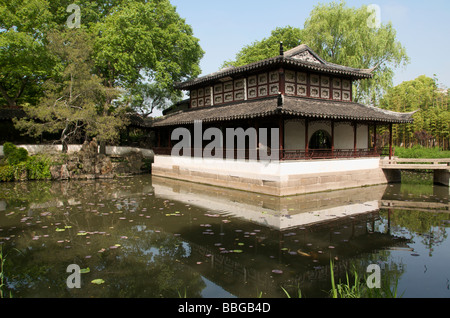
[{"x": 298, "y": 139}]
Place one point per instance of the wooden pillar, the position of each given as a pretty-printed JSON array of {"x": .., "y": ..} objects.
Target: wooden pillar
[
  {"x": 306, "y": 137},
  {"x": 281, "y": 136},
  {"x": 170, "y": 138},
  {"x": 257, "y": 138},
  {"x": 355, "y": 126},
  {"x": 158, "y": 133},
  {"x": 375, "y": 137},
  {"x": 390, "y": 141},
  {"x": 332, "y": 139}
]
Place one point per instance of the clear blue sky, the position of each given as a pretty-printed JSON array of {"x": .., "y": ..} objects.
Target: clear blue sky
[{"x": 224, "y": 27}]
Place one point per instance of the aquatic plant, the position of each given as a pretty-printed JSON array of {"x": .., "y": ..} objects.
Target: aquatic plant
[
  {"x": 2, "y": 273},
  {"x": 359, "y": 287},
  {"x": 299, "y": 292}
]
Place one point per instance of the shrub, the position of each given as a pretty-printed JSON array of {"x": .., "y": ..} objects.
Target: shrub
[
  {"x": 6, "y": 173},
  {"x": 8, "y": 148},
  {"x": 38, "y": 167},
  {"x": 19, "y": 166},
  {"x": 20, "y": 171},
  {"x": 13, "y": 154}
]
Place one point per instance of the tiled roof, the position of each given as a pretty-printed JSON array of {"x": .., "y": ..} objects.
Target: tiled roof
[
  {"x": 137, "y": 120},
  {"x": 309, "y": 107},
  {"x": 299, "y": 57},
  {"x": 295, "y": 106}
]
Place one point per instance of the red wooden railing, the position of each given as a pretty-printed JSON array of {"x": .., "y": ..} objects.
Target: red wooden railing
[{"x": 286, "y": 154}]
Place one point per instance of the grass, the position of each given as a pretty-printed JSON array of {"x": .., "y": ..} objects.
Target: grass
[
  {"x": 354, "y": 289},
  {"x": 417, "y": 152},
  {"x": 2, "y": 273},
  {"x": 299, "y": 292},
  {"x": 359, "y": 288}
]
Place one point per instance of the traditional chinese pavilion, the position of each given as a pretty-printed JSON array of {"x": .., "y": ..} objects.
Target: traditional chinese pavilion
[{"x": 326, "y": 140}]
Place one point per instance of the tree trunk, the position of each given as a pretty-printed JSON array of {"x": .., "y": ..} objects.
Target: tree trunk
[
  {"x": 102, "y": 147},
  {"x": 65, "y": 146},
  {"x": 9, "y": 100}
]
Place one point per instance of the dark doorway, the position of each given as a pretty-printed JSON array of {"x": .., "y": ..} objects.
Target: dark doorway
[{"x": 320, "y": 140}]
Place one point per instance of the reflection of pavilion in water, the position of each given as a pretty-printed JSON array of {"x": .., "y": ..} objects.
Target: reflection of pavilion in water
[
  {"x": 280, "y": 213},
  {"x": 299, "y": 233}
]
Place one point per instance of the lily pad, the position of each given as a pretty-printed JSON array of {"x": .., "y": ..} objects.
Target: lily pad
[
  {"x": 97, "y": 281},
  {"x": 85, "y": 270}
]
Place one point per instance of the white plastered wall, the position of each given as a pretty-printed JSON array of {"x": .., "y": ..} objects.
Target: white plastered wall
[{"x": 294, "y": 134}]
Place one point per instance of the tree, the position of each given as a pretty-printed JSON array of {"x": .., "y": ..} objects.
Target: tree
[
  {"x": 135, "y": 47},
  {"x": 431, "y": 123},
  {"x": 136, "y": 42},
  {"x": 75, "y": 101},
  {"x": 145, "y": 42},
  {"x": 267, "y": 47},
  {"x": 24, "y": 62},
  {"x": 144, "y": 98},
  {"x": 342, "y": 35}
]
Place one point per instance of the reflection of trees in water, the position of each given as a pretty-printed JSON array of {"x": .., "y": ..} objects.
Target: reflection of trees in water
[
  {"x": 429, "y": 226},
  {"x": 147, "y": 263},
  {"x": 152, "y": 263},
  {"x": 424, "y": 217}
]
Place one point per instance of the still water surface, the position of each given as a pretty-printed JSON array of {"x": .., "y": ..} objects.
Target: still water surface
[{"x": 151, "y": 237}]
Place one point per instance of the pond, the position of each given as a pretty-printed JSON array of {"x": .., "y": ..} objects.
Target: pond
[{"x": 152, "y": 237}]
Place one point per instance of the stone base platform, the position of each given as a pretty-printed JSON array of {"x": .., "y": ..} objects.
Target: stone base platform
[{"x": 276, "y": 178}]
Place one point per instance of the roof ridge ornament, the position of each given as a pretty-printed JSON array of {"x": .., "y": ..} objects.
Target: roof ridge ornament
[
  {"x": 280, "y": 100},
  {"x": 281, "y": 48}
]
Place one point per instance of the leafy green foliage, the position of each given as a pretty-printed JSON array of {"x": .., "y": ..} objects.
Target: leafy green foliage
[
  {"x": 8, "y": 149},
  {"x": 24, "y": 60},
  {"x": 6, "y": 173},
  {"x": 75, "y": 81},
  {"x": 146, "y": 42},
  {"x": 75, "y": 101},
  {"x": 17, "y": 165},
  {"x": 340, "y": 35},
  {"x": 417, "y": 152},
  {"x": 268, "y": 47},
  {"x": 38, "y": 168},
  {"x": 431, "y": 127},
  {"x": 13, "y": 154}
]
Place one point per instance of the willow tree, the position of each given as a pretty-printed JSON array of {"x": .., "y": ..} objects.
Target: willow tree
[
  {"x": 349, "y": 36},
  {"x": 341, "y": 35}
]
